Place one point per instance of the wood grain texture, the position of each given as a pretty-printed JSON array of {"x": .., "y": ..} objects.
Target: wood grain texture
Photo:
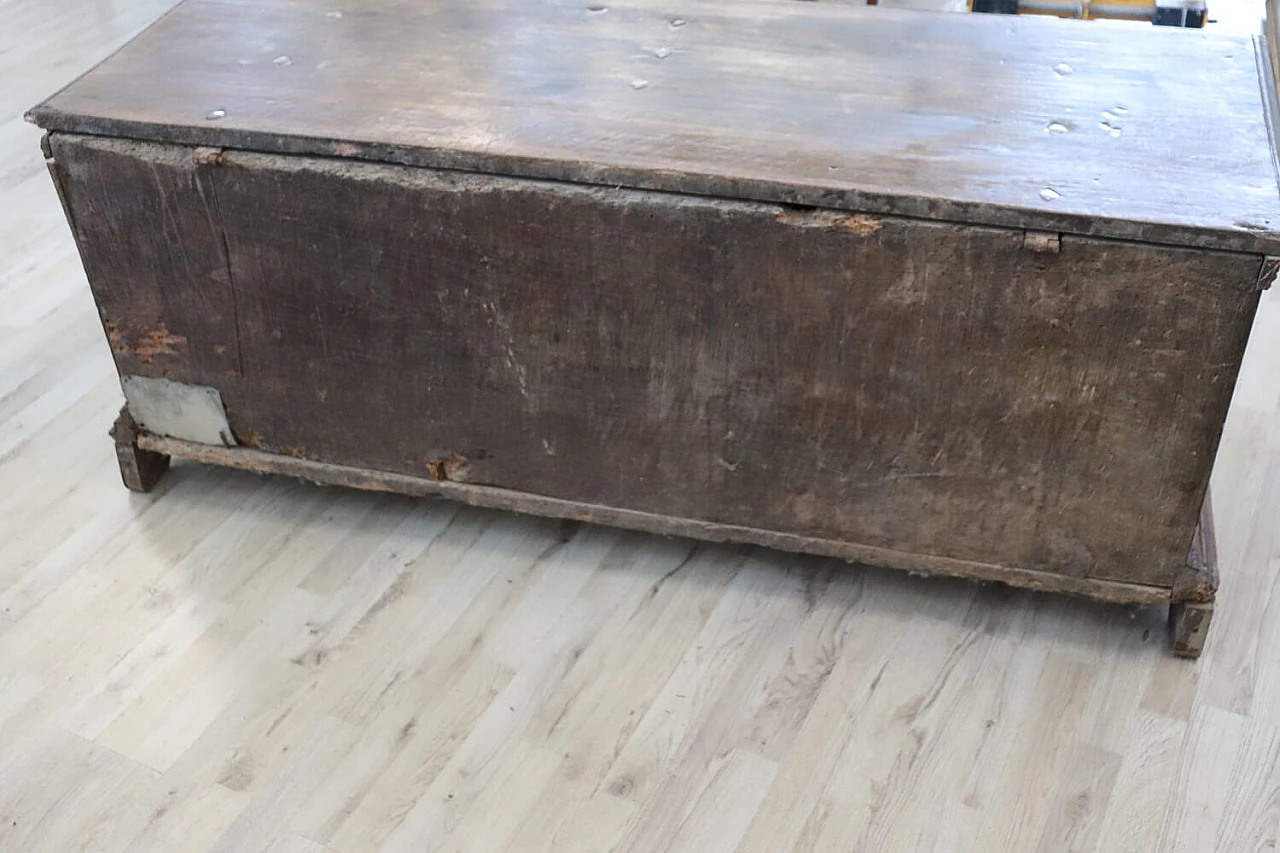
[
  {"x": 892, "y": 383},
  {"x": 511, "y": 501},
  {"x": 460, "y": 641},
  {"x": 162, "y": 260},
  {"x": 139, "y": 469},
  {"x": 830, "y": 104}
]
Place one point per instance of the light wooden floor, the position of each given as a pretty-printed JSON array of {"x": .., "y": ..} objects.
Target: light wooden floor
[{"x": 245, "y": 664}]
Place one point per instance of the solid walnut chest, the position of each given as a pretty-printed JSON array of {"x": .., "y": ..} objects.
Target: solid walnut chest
[{"x": 946, "y": 293}]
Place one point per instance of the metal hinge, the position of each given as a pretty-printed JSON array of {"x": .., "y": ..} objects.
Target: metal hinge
[{"x": 1042, "y": 242}]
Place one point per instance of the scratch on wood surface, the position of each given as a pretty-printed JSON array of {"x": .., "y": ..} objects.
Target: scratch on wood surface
[
  {"x": 213, "y": 209},
  {"x": 911, "y": 288},
  {"x": 509, "y": 354},
  {"x": 893, "y": 478}
]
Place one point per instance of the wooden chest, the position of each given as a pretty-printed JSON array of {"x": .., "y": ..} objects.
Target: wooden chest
[{"x": 946, "y": 293}]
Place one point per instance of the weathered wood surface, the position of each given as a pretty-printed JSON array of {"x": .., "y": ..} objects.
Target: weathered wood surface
[
  {"x": 894, "y": 383},
  {"x": 874, "y": 110},
  {"x": 1189, "y": 627},
  {"x": 1200, "y": 585},
  {"x": 327, "y": 474},
  {"x": 148, "y": 233}
]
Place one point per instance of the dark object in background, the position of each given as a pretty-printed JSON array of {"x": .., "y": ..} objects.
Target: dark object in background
[
  {"x": 1162, "y": 13},
  {"x": 1180, "y": 13}
]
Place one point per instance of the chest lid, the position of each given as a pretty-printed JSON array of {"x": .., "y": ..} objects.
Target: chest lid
[{"x": 1087, "y": 127}]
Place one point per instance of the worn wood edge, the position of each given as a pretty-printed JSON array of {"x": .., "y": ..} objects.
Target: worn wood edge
[
  {"x": 1266, "y": 51},
  {"x": 849, "y": 199},
  {"x": 29, "y": 115},
  {"x": 491, "y": 497},
  {"x": 1269, "y": 268},
  {"x": 1200, "y": 583},
  {"x": 140, "y": 469},
  {"x": 1270, "y": 37},
  {"x": 1189, "y": 627},
  {"x": 57, "y": 174},
  {"x": 669, "y": 182},
  {"x": 60, "y": 187}
]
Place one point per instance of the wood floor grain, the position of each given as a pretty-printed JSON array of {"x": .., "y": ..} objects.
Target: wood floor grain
[{"x": 246, "y": 664}]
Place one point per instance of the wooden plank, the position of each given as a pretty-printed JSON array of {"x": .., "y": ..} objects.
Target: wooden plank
[
  {"x": 899, "y": 383},
  {"x": 152, "y": 248},
  {"x": 504, "y": 499},
  {"x": 905, "y": 384},
  {"x": 880, "y": 110}
]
